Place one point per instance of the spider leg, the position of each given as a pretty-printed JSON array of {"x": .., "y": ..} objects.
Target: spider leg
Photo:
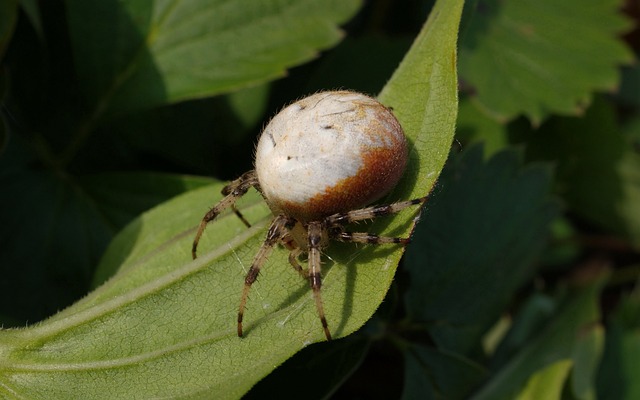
[
  {"x": 371, "y": 212},
  {"x": 293, "y": 260},
  {"x": 277, "y": 230},
  {"x": 240, "y": 216},
  {"x": 232, "y": 192},
  {"x": 314, "y": 272},
  {"x": 368, "y": 238}
]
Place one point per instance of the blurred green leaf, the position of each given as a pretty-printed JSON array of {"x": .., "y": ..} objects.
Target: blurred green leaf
[
  {"x": 438, "y": 374},
  {"x": 164, "y": 325},
  {"x": 537, "y": 57},
  {"x": 563, "y": 250},
  {"x": 586, "y": 356},
  {"x": 532, "y": 315},
  {"x": 548, "y": 383},
  {"x": 132, "y": 55},
  {"x": 629, "y": 93},
  {"x": 55, "y": 228},
  {"x": 577, "y": 314},
  {"x": 249, "y": 105},
  {"x": 495, "y": 215},
  {"x": 598, "y": 169},
  {"x": 618, "y": 373},
  {"x": 475, "y": 127}
]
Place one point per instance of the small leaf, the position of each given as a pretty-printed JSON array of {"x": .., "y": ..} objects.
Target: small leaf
[
  {"x": 495, "y": 216},
  {"x": 132, "y": 55},
  {"x": 537, "y": 57}
]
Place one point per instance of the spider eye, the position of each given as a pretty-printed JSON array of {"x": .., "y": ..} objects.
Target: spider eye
[{"x": 328, "y": 153}]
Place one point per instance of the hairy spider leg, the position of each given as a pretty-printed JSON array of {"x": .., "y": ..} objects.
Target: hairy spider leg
[
  {"x": 293, "y": 260},
  {"x": 232, "y": 192},
  {"x": 279, "y": 228},
  {"x": 336, "y": 222},
  {"x": 372, "y": 212},
  {"x": 240, "y": 216},
  {"x": 315, "y": 270},
  {"x": 368, "y": 238}
]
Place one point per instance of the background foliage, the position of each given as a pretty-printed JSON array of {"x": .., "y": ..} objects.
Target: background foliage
[{"x": 522, "y": 278}]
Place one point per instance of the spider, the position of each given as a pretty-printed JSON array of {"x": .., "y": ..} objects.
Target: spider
[{"x": 318, "y": 163}]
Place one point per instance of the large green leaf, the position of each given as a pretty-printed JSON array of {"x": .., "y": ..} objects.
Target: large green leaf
[
  {"x": 497, "y": 215},
  {"x": 164, "y": 325},
  {"x": 133, "y": 54},
  {"x": 536, "y": 57}
]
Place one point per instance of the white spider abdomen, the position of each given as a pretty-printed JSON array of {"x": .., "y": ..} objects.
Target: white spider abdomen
[{"x": 330, "y": 152}]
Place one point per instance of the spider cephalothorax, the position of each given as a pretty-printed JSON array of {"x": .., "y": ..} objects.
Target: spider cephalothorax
[{"x": 318, "y": 162}]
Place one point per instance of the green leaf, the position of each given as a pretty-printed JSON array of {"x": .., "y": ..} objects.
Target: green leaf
[
  {"x": 55, "y": 229},
  {"x": 586, "y": 356},
  {"x": 438, "y": 374},
  {"x": 556, "y": 341},
  {"x": 164, "y": 325},
  {"x": 630, "y": 88},
  {"x": 132, "y": 55},
  {"x": 618, "y": 373},
  {"x": 531, "y": 317},
  {"x": 475, "y": 127},
  {"x": 496, "y": 214},
  {"x": 600, "y": 180},
  {"x": 536, "y": 57},
  {"x": 420, "y": 93},
  {"x": 122, "y": 196},
  {"x": 548, "y": 383}
]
